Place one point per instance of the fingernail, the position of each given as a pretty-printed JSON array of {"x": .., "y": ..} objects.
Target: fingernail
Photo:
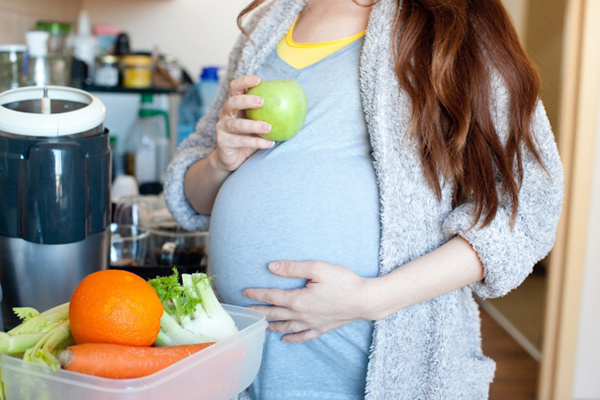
[
  {"x": 274, "y": 266},
  {"x": 260, "y": 101},
  {"x": 266, "y": 127}
]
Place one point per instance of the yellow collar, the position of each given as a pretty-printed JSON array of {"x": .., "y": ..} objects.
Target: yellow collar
[{"x": 343, "y": 41}]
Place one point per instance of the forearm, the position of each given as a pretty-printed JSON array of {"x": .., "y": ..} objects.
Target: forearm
[
  {"x": 447, "y": 268},
  {"x": 202, "y": 183}
]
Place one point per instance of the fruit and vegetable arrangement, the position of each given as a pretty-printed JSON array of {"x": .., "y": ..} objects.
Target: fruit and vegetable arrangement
[{"x": 118, "y": 325}]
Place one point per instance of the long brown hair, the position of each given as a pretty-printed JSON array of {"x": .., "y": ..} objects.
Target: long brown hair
[{"x": 444, "y": 53}]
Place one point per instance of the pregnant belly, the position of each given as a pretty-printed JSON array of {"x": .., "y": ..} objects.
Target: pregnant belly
[{"x": 319, "y": 217}]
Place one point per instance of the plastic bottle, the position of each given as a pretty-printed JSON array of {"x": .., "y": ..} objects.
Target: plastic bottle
[
  {"x": 124, "y": 186},
  {"x": 148, "y": 147},
  {"x": 196, "y": 101},
  {"x": 122, "y": 47},
  {"x": 38, "y": 67},
  {"x": 85, "y": 45},
  {"x": 208, "y": 87}
]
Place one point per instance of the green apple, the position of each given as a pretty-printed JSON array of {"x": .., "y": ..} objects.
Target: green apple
[{"x": 284, "y": 107}]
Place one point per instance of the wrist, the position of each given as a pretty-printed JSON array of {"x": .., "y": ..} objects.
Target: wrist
[
  {"x": 215, "y": 164},
  {"x": 374, "y": 302},
  {"x": 201, "y": 184}
]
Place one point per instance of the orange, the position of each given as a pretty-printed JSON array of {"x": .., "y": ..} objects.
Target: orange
[{"x": 115, "y": 306}]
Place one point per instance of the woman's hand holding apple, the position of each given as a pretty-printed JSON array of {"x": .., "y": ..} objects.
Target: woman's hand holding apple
[{"x": 237, "y": 137}]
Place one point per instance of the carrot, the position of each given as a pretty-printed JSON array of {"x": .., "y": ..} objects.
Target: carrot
[{"x": 123, "y": 362}]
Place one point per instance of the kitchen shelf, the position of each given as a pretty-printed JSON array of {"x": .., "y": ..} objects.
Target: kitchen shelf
[{"x": 120, "y": 89}]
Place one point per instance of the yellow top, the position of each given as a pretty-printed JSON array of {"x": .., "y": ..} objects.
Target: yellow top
[{"x": 301, "y": 55}]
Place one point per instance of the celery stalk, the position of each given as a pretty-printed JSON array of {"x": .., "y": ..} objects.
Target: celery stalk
[
  {"x": 25, "y": 313},
  {"x": 43, "y": 322},
  {"x": 15, "y": 344},
  {"x": 40, "y": 336},
  {"x": 46, "y": 349}
]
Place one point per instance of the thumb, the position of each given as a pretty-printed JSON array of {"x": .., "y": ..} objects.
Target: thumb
[{"x": 295, "y": 269}]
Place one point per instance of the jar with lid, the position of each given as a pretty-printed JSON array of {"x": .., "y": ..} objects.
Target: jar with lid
[
  {"x": 107, "y": 71},
  {"x": 11, "y": 65},
  {"x": 59, "y": 58},
  {"x": 136, "y": 71}
]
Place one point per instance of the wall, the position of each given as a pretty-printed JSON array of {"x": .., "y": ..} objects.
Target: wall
[
  {"x": 543, "y": 33},
  {"x": 518, "y": 12},
  {"x": 197, "y": 32},
  {"x": 19, "y": 16},
  {"x": 586, "y": 384},
  {"x": 540, "y": 25}
]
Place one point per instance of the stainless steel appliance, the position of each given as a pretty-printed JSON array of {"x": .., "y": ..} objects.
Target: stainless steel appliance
[{"x": 55, "y": 202}]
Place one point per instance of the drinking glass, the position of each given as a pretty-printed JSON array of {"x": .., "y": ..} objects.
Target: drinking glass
[
  {"x": 172, "y": 246},
  {"x": 128, "y": 245}
]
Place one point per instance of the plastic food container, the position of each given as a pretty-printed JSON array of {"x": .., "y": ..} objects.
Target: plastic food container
[{"x": 218, "y": 372}]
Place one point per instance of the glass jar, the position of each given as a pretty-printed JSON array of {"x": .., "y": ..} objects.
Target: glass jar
[
  {"x": 136, "y": 71},
  {"x": 59, "y": 58},
  {"x": 59, "y": 32},
  {"x": 173, "y": 68},
  {"x": 11, "y": 66},
  {"x": 107, "y": 71}
]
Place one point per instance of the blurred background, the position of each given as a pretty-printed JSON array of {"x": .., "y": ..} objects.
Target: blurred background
[{"x": 156, "y": 63}]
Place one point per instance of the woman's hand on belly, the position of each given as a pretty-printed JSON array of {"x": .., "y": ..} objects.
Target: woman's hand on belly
[{"x": 333, "y": 297}]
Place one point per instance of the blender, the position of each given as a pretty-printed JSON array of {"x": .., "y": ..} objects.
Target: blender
[{"x": 55, "y": 203}]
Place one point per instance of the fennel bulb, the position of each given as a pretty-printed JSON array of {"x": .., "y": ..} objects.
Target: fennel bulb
[{"x": 192, "y": 313}]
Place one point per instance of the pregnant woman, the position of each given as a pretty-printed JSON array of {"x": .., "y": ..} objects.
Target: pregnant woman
[{"x": 426, "y": 170}]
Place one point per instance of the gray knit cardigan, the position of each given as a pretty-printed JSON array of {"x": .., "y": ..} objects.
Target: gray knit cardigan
[{"x": 431, "y": 350}]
